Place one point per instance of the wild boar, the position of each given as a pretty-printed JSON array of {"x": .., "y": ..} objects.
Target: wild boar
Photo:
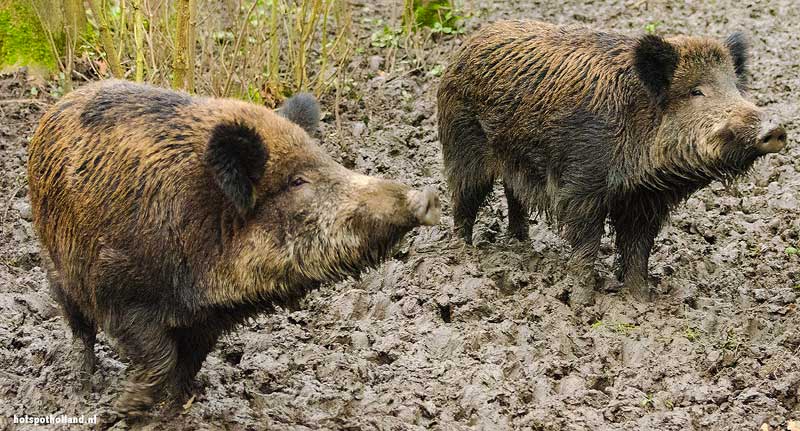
[
  {"x": 168, "y": 219},
  {"x": 584, "y": 125}
]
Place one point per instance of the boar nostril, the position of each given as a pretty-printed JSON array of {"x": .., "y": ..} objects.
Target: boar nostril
[{"x": 773, "y": 141}]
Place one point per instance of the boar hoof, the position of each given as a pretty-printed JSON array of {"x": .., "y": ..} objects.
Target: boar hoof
[
  {"x": 519, "y": 233},
  {"x": 86, "y": 383},
  {"x": 640, "y": 291},
  {"x": 133, "y": 404},
  {"x": 108, "y": 417},
  {"x": 581, "y": 288}
]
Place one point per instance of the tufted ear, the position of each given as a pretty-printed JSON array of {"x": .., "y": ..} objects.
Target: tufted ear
[
  {"x": 655, "y": 61},
  {"x": 236, "y": 156},
  {"x": 302, "y": 109},
  {"x": 738, "y": 46}
]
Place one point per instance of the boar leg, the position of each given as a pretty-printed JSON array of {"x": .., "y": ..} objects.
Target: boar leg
[
  {"x": 464, "y": 147},
  {"x": 636, "y": 228},
  {"x": 467, "y": 201},
  {"x": 84, "y": 329},
  {"x": 81, "y": 326},
  {"x": 583, "y": 231},
  {"x": 194, "y": 345},
  {"x": 152, "y": 353},
  {"x": 517, "y": 214}
]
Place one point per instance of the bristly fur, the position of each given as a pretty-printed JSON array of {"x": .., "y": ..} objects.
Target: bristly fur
[
  {"x": 166, "y": 220},
  {"x": 583, "y": 125}
]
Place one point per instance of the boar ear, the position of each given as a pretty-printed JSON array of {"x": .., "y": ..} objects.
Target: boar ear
[
  {"x": 236, "y": 156},
  {"x": 655, "y": 60},
  {"x": 738, "y": 46},
  {"x": 303, "y": 110}
]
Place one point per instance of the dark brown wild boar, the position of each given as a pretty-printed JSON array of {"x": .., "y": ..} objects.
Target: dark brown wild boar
[
  {"x": 583, "y": 125},
  {"x": 168, "y": 219}
]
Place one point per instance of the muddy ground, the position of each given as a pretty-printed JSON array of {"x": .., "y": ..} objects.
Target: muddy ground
[{"x": 444, "y": 336}]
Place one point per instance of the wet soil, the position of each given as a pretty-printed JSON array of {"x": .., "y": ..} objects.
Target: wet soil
[{"x": 448, "y": 336}]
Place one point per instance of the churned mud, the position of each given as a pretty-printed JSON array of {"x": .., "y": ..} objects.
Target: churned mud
[{"x": 445, "y": 336}]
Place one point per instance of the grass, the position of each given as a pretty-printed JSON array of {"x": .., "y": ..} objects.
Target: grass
[
  {"x": 262, "y": 51},
  {"x": 648, "y": 402},
  {"x": 616, "y": 327},
  {"x": 258, "y": 50},
  {"x": 652, "y": 27},
  {"x": 692, "y": 334}
]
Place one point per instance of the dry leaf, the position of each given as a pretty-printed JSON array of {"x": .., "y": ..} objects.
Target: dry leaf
[{"x": 188, "y": 404}]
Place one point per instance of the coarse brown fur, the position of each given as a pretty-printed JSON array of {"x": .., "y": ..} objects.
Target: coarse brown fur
[
  {"x": 168, "y": 219},
  {"x": 583, "y": 125}
]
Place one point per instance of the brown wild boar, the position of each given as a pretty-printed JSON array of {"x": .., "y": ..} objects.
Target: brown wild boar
[
  {"x": 167, "y": 219},
  {"x": 583, "y": 125}
]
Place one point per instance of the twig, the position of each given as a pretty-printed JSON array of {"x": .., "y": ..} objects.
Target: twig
[
  {"x": 238, "y": 43},
  {"x": 34, "y": 101},
  {"x": 10, "y": 199}
]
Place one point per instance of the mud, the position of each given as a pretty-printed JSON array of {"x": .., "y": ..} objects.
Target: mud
[{"x": 445, "y": 336}]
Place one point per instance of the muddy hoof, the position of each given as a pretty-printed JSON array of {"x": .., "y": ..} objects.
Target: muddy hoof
[
  {"x": 518, "y": 234},
  {"x": 86, "y": 385},
  {"x": 580, "y": 289},
  {"x": 133, "y": 404},
  {"x": 641, "y": 292},
  {"x": 611, "y": 285},
  {"x": 107, "y": 418}
]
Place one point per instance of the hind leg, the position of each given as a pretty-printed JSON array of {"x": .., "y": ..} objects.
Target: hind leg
[
  {"x": 82, "y": 327},
  {"x": 517, "y": 214},
  {"x": 464, "y": 147},
  {"x": 467, "y": 201}
]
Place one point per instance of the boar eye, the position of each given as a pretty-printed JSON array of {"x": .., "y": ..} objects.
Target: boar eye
[
  {"x": 697, "y": 92},
  {"x": 297, "y": 181}
]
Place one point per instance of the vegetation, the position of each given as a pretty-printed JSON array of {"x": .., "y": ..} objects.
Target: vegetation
[
  {"x": 258, "y": 50},
  {"x": 623, "y": 328},
  {"x": 23, "y": 42}
]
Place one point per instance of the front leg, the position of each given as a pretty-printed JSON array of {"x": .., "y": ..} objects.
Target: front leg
[
  {"x": 584, "y": 230},
  {"x": 637, "y": 226},
  {"x": 194, "y": 344}
]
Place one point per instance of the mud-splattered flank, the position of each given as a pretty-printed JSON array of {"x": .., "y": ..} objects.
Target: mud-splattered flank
[{"x": 451, "y": 337}]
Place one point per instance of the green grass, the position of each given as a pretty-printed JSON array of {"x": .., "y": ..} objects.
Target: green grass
[
  {"x": 651, "y": 27},
  {"x": 691, "y": 334}
]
